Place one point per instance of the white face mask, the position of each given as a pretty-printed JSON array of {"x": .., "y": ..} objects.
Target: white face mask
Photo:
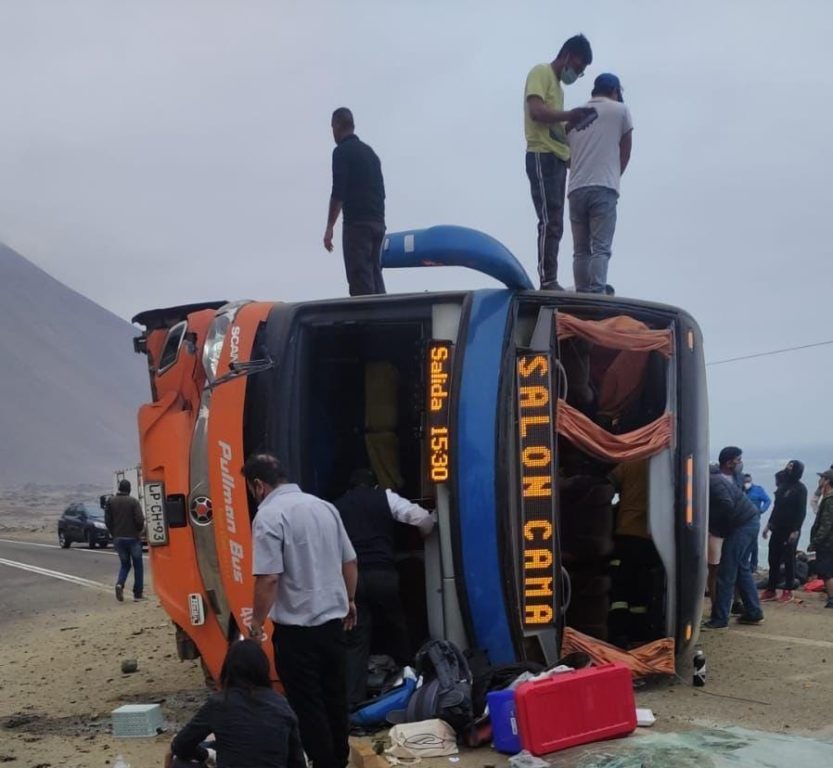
[
  {"x": 568, "y": 76},
  {"x": 747, "y": 486}
]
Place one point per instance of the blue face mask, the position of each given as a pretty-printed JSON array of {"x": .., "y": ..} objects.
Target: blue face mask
[{"x": 568, "y": 76}]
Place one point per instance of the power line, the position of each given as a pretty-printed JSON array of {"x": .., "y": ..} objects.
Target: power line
[{"x": 771, "y": 352}]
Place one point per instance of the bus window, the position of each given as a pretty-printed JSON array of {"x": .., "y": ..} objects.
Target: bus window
[{"x": 612, "y": 399}]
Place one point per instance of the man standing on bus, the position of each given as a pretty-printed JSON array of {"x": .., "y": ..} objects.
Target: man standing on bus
[
  {"x": 599, "y": 155},
  {"x": 358, "y": 191},
  {"x": 547, "y": 152},
  {"x": 305, "y": 581},
  {"x": 370, "y": 515}
]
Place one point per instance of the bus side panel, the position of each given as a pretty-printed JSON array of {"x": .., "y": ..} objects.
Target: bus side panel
[
  {"x": 693, "y": 487},
  {"x": 475, "y": 460},
  {"x": 165, "y": 435},
  {"x": 232, "y": 527}
]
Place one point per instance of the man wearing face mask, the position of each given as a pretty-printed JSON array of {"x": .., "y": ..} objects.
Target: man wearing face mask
[
  {"x": 760, "y": 498},
  {"x": 785, "y": 528},
  {"x": 547, "y": 152},
  {"x": 305, "y": 581}
]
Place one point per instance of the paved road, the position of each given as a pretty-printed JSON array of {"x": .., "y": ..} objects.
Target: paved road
[{"x": 38, "y": 578}]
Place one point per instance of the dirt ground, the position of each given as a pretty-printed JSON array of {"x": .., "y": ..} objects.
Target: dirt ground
[{"x": 60, "y": 678}]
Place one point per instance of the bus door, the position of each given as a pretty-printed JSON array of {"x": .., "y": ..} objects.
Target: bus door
[{"x": 445, "y": 617}]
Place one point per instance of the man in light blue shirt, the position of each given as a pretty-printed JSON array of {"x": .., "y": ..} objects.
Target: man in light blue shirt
[{"x": 305, "y": 581}]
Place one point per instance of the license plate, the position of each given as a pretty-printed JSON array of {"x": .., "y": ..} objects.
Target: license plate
[
  {"x": 196, "y": 609},
  {"x": 157, "y": 526}
]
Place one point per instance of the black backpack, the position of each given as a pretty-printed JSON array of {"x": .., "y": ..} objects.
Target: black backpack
[{"x": 446, "y": 686}]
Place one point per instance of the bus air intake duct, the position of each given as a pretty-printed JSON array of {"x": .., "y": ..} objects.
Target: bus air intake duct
[{"x": 450, "y": 246}]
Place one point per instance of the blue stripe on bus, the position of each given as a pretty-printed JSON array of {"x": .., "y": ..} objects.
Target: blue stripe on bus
[{"x": 475, "y": 468}]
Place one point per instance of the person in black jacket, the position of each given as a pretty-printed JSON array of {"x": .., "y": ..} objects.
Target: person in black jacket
[
  {"x": 359, "y": 191},
  {"x": 254, "y": 726},
  {"x": 734, "y": 518},
  {"x": 370, "y": 515},
  {"x": 125, "y": 520},
  {"x": 784, "y": 524}
]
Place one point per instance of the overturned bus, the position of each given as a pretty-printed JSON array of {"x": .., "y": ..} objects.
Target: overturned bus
[{"x": 504, "y": 410}]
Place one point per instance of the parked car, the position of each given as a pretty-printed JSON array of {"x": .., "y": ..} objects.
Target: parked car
[{"x": 84, "y": 522}]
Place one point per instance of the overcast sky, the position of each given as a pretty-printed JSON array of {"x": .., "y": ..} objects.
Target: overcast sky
[{"x": 156, "y": 153}]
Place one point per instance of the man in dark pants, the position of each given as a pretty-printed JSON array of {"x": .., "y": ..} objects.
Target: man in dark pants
[
  {"x": 125, "y": 520},
  {"x": 358, "y": 190},
  {"x": 305, "y": 581},
  {"x": 547, "y": 152},
  {"x": 821, "y": 535},
  {"x": 784, "y": 524},
  {"x": 370, "y": 515}
]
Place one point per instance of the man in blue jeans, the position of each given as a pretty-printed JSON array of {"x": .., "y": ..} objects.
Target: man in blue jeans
[
  {"x": 734, "y": 518},
  {"x": 599, "y": 154},
  {"x": 125, "y": 520}
]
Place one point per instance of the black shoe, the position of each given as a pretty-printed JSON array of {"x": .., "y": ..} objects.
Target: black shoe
[
  {"x": 120, "y": 592},
  {"x": 737, "y": 608},
  {"x": 711, "y": 625},
  {"x": 751, "y": 620},
  {"x": 138, "y": 598},
  {"x": 553, "y": 286}
]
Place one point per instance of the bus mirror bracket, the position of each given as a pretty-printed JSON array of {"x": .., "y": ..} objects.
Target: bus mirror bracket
[{"x": 236, "y": 370}]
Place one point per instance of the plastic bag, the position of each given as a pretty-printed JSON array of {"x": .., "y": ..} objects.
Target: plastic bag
[{"x": 428, "y": 738}]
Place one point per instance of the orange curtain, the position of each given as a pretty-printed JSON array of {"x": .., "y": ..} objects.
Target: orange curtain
[
  {"x": 620, "y": 332},
  {"x": 656, "y": 658},
  {"x": 595, "y": 441}
]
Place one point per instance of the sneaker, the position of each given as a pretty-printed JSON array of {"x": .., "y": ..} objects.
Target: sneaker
[
  {"x": 786, "y": 596},
  {"x": 737, "y": 608},
  {"x": 553, "y": 286},
  {"x": 120, "y": 592},
  {"x": 768, "y": 594},
  {"x": 751, "y": 620},
  {"x": 829, "y": 603},
  {"x": 711, "y": 625},
  {"x": 138, "y": 598}
]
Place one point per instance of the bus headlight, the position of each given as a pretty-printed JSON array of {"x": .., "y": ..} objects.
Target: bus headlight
[{"x": 216, "y": 337}]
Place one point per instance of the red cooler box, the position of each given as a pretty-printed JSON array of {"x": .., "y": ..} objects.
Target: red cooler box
[{"x": 575, "y": 708}]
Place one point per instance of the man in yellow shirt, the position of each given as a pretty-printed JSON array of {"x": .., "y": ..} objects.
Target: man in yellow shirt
[{"x": 547, "y": 153}]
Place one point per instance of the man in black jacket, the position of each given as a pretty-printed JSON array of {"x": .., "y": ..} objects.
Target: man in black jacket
[
  {"x": 734, "y": 518},
  {"x": 785, "y": 526},
  {"x": 125, "y": 520},
  {"x": 359, "y": 191},
  {"x": 370, "y": 515}
]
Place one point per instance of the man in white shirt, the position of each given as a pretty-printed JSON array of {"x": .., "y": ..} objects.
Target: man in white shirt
[
  {"x": 370, "y": 515},
  {"x": 599, "y": 155},
  {"x": 305, "y": 581}
]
